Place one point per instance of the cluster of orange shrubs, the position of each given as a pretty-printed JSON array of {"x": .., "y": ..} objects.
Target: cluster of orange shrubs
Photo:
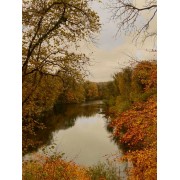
[
  {"x": 46, "y": 168},
  {"x": 136, "y": 128}
]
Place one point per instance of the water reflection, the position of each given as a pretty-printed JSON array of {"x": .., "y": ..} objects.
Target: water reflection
[
  {"x": 87, "y": 142},
  {"x": 63, "y": 116},
  {"x": 79, "y": 131}
]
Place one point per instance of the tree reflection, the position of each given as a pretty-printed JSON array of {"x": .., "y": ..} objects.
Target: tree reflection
[{"x": 62, "y": 116}]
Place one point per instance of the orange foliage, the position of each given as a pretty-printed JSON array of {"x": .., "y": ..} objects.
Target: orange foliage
[
  {"x": 136, "y": 128},
  {"x": 146, "y": 74},
  {"x": 138, "y": 125},
  {"x": 53, "y": 168},
  {"x": 144, "y": 164}
]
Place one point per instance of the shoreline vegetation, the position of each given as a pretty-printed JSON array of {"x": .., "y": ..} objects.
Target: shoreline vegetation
[
  {"x": 55, "y": 167},
  {"x": 130, "y": 101},
  {"x": 134, "y": 125}
]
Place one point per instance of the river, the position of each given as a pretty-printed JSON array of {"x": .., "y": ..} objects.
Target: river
[{"x": 80, "y": 132}]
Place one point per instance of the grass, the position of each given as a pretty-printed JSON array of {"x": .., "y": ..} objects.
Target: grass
[
  {"x": 106, "y": 171},
  {"x": 55, "y": 168}
]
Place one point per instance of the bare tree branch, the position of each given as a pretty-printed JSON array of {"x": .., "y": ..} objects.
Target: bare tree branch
[{"x": 133, "y": 19}]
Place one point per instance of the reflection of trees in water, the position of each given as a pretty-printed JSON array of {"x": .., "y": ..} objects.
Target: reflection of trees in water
[{"x": 62, "y": 116}]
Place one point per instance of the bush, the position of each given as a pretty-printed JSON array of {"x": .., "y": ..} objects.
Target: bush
[{"x": 46, "y": 168}]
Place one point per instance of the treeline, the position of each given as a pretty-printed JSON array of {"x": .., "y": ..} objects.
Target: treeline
[
  {"x": 134, "y": 120},
  {"x": 81, "y": 92}
]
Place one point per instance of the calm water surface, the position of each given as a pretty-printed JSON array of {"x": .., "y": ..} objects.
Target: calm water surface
[
  {"x": 87, "y": 142},
  {"x": 80, "y": 132}
]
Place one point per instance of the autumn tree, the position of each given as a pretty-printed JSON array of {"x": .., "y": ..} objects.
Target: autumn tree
[
  {"x": 91, "y": 90},
  {"x": 144, "y": 80},
  {"x": 52, "y": 30},
  {"x": 106, "y": 89},
  {"x": 137, "y": 17},
  {"x": 123, "y": 82},
  {"x": 73, "y": 91}
]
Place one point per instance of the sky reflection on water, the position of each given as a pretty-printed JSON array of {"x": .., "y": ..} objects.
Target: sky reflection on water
[{"x": 87, "y": 142}]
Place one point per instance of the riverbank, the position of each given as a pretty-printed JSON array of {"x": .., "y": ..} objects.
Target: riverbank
[
  {"x": 78, "y": 130},
  {"x": 134, "y": 122},
  {"x": 54, "y": 167}
]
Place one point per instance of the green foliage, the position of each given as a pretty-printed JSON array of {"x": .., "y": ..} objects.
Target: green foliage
[
  {"x": 123, "y": 82},
  {"x": 107, "y": 171},
  {"x": 121, "y": 105},
  {"x": 108, "y": 92},
  {"x": 131, "y": 85}
]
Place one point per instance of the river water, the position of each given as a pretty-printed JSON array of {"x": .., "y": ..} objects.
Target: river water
[{"x": 80, "y": 132}]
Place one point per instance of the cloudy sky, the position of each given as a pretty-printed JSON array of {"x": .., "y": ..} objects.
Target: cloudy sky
[{"x": 109, "y": 53}]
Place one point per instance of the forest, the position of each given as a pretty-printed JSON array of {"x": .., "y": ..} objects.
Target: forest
[{"x": 54, "y": 75}]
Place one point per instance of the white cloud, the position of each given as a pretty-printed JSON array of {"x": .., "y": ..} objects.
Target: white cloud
[{"x": 110, "y": 53}]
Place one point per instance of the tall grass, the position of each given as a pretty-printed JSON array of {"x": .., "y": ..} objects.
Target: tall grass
[{"x": 104, "y": 171}]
